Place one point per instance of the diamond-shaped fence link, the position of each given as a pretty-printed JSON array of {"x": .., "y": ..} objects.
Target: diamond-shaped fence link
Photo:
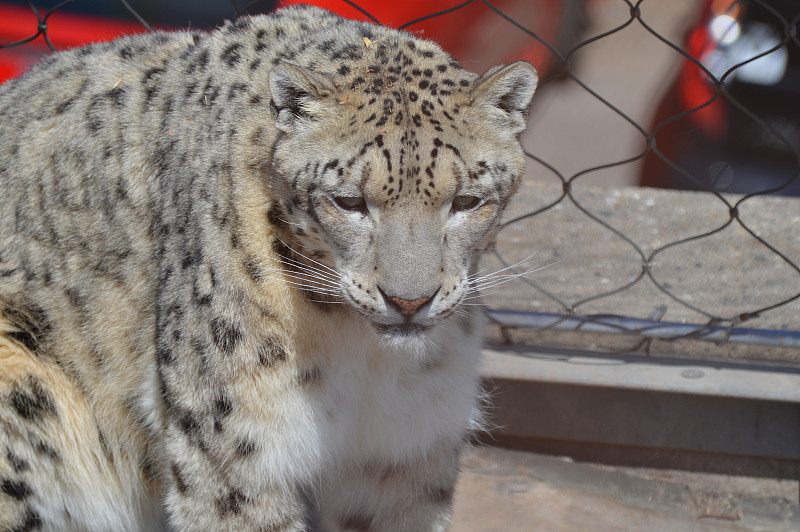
[{"x": 656, "y": 265}]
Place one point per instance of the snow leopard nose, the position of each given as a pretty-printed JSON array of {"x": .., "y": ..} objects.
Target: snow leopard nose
[{"x": 406, "y": 307}]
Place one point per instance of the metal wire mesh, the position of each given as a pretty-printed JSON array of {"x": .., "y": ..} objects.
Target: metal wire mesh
[{"x": 729, "y": 233}]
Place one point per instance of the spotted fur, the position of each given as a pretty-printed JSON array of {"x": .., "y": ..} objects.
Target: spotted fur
[{"x": 232, "y": 275}]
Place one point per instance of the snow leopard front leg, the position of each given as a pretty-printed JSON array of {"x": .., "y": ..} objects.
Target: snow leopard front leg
[
  {"x": 415, "y": 494},
  {"x": 200, "y": 496},
  {"x": 218, "y": 474},
  {"x": 234, "y": 452},
  {"x": 222, "y": 469}
]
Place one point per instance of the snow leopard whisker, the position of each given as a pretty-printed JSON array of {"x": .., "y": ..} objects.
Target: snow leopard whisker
[
  {"x": 309, "y": 283},
  {"x": 486, "y": 285},
  {"x": 308, "y": 274},
  {"x": 500, "y": 280},
  {"x": 311, "y": 268},
  {"x": 314, "y": 288},
  {"x": 325, "y": 266},
  {"x": 476, "y": 277},
  {"x": 478, "y": 283}
]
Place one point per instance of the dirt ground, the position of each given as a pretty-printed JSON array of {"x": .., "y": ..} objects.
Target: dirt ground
[{"x": 510, "y": 491}]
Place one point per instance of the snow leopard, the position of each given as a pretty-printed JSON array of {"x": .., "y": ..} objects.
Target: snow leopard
[{"x": 237, "y": 271}]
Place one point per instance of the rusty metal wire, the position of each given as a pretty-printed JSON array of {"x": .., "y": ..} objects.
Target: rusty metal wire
[{"x": 719, "y": 326}]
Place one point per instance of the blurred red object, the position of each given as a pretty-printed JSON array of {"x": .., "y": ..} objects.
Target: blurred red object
[
  {"x": 472, "y": 32},
  {"x": 476, "y": 35},
  {"x": 64, "y": 30}
]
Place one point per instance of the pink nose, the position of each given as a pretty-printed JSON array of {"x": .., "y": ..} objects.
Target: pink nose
[{"x": 408, "y": 307}]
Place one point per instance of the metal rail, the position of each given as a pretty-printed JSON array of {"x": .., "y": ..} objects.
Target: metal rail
[{"x": 610, "y": 324}]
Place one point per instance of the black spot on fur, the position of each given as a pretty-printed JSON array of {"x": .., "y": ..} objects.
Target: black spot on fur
[
  {"x": 253, "y": 269},
  {"x": 276, "y": 216},
  {"x": 222, "y": 408},
  {"x": 32, "y": 402},
  {"x": 270, "y": 352},
  {"x": 31, "y": 324},
  {"x": 44, "y": 448},
  {"x": 226, "y": 335},
  {"x": 19, "y": 464},
  {"x": 236, "y": 90},
  {"x": 25, "y": 338},
  {"x": 230, "y": 503},
  {"x": 282, "y": 250},
  {"x": 330, "y": 165},
  {"x": 232, "y": 54},
  {"x": 126, "y": 52},
  {"x": 164, "y": 355},
  {"x": 189, "y": 424},
  {"x": 31, "y": 522},
  {"x": 388, "y": 158},
  {"x": 116, "y": 96},
  {"x": 17, "y": 489},
  {"x": 63, "y": 106},
  {"x": 245, "y": 447},
  {"x": 310, "y": 376},
  {"x": 180, "y": 481}
]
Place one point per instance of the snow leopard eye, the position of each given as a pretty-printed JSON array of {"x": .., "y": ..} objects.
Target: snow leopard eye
[
  {"x": 351, "y": 203},
  {"x": 465, "y": 203}
]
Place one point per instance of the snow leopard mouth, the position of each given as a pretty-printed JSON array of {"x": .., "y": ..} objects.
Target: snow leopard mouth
[{"x": 402, "y": 330}]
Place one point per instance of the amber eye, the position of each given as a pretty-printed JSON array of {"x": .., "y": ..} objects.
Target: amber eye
[
  {"x": 351, "y": 203},
  {"x": 465, "y": 203}
]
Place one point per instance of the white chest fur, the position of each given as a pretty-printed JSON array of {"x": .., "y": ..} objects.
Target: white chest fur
[
  {"x": 393, "y": 400},
  {"x": 373, "y": 400}
]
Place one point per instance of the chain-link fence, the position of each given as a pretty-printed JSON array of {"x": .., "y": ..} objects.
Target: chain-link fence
[{"x": 689, "y": 94}]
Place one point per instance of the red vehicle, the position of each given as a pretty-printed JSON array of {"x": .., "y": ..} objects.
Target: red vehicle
[{"x": 733, "y": 125}]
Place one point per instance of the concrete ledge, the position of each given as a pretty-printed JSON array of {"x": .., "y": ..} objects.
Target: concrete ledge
[
  {"x": 654, "y": 412},
  {"x": 655, "y": 374}
]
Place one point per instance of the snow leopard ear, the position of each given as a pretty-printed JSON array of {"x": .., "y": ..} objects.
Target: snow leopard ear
[
  {"x": 506, "y": 93},
  {"x": 299, "y": 96}
]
